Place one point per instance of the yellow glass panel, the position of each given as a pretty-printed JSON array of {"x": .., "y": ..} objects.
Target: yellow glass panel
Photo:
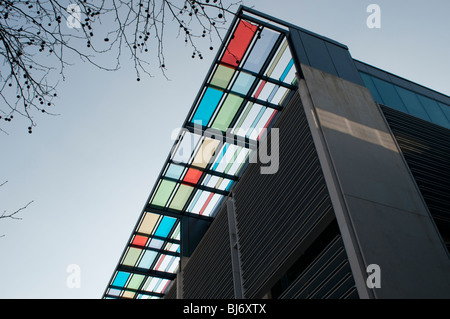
[
  {"x": 206, "y": 151},
  {"x": 148, "y": 223},
  {"x": 128, "y": 294},
  {"x": 132, "y": 256},
  {"x": 222, "y": 76}
]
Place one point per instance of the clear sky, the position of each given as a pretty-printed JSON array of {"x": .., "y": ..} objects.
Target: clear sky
[{"x": 90, "y": 170}]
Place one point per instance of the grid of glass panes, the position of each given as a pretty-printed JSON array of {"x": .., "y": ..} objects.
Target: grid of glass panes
[{"x": 244, "y": 91}]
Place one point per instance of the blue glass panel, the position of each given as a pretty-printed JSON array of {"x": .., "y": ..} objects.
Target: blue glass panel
[
  {"x": 147, "y": 259},
  {"x": 272, "y": 94},
  {"x": 165, "y": 226},
  {"x": 219, "y": 158},
  {"x": 174, "y": 171},
  {"x": 412, "y": 103},
  {"x": 243, "y": 83},
  {"x": 121, "y": 279},
  {"x": 261, "y": 50},
  {"x": 229, "y": 186},
  {"x": 389, "y": 95},
  {"x": 207, "y": 106},
  {"x": 286, "y": 71},
  {"x": 367, "y": 79},
  {"x": 434, "y": 111}
]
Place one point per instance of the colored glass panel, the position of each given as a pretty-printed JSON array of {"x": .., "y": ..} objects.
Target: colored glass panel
[
  {"x": 262, "y": 122},
  {"x": 220, "y": 156},
  {"x": 192, "y": 176},
  {"x": 287, "y": 70},
  {"x": 155, "y": 243},
  {"x": 194, "y": 200},
  {"x": 163, "y": 193},
  {"x": 148, "y": 223},
  {"x": 132, "y": 256},
  {"x": 128, "y": 294},
  {"x": 205, "y": 152},
  {"x": 222, "y": 76},
  {"x": 243, "y": 83},
  {"x": 239, "y": 43},
  {"x": 211, "y": 205},
  {"x": 114, "y": 292},
  {"x": 121, "y": 278},
  {"x": 266, "y": 91},
  {"x": 207, "y": 106},
  {"x": 150, "y": 284},
  {"x": 176, "y": 232},
  {"x": 181, "y": 197},
  {"x": 227, "y": 112},
  {"x": 165, "y": 226},
  {"x": 135, "y": 281},
  {"x": 260, "y": 88},
  {"x": 148, "y": 259},
  {"x": 139, "y": 240},
  {"x": 261, "y": 50},
  {"x": 201, "y": 201},
  {"x": 276, "y": 59},
  {"x": 174, "y": 171}
]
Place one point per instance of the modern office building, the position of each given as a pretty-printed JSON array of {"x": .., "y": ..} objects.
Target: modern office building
[{"x": 299, "y": 173}]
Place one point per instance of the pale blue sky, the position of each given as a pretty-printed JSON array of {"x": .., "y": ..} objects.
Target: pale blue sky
[{"x": 90, "y": 170}]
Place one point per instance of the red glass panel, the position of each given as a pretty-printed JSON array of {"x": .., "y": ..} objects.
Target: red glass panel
[
  {"x": 139, "y": 240},
  {"x": 261, "y": 86},
  {"x": 239, "y": 43},
  {"x": 206, "y": 203},
  {"x": 192, "y": 176}
]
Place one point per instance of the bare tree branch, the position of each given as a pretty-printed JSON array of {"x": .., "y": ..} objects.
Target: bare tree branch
[
  {"x": 12, "y": 215},
  {"x": 38, "y": 36}
]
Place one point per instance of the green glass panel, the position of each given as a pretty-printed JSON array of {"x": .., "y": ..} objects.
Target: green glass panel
[
  {"x": 132, "y": 256},
  {"x": 227, "y": 112},
  {"x": 222, "y": 76},
  {"x": 163, "y": 193},
  {"x": 181, "y": 197},
  {"x": 136, "y": 281}
]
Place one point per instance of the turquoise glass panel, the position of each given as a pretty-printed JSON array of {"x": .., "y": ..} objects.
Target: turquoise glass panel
[
  {"x": 243, "y": 83},
  {"x": 219, "y": 158},
  {"x": 207, "y": 106},
  {"x": 286, "y": 71},
  {"x": 174, "y": 171},
  {"x": 165, "y": 226},
  {"x": 121, "y": 279},
  {"x": 147, "y": 259}
]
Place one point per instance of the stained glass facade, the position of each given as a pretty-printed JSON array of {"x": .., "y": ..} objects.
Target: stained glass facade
[{"x": 242, "y": 94}]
